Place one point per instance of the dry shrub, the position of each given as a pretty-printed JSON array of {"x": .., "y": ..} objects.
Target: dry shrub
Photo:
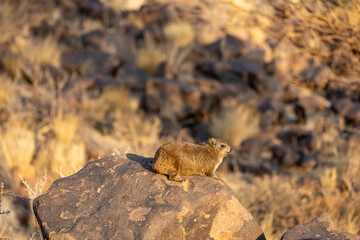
[
  {"x": 13, "y": 19},
  {"x": 141, "y": 132},
  {"x": 329, "y": 31},
  {"x": 150, "y": 56},
  {"x": 42, "y": 51},
  {"x": 179, "y": 33},
  {"x": 119, "y": 99},
  {"x": 66, "y": 152},
  {"x": 6, "y": 91},
  {"x": 17, "y": 143},
  {"x": 280, "y": 202},
  {"x": 58, "y": 158},
  {"x": 37, "y": 189},
  {"x": 235, "y": 125},
  {"x": 93, "y": 106},
  {"x": 65, "y": 127}
]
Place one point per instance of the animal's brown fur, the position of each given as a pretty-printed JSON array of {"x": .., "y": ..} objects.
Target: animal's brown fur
[{"x": 182, "y": 158}]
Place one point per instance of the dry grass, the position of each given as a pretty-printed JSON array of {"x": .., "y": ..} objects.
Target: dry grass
[
  {"x": 141, "y": 132},
  {"x": 150, "y": 56},
  {"x": 65, "y": 127},
  {"x": 17, "y": 144},
  {"x": 179, "y": 33},
  {"x": 61, "y": 159},
  {"x": 13, "y": 20},
  {"x": 280, "y": 202},
  {"x": 6, "y": 91},
  {"x": 235, "y": 125},
  {"x": 41, "y": 51}
]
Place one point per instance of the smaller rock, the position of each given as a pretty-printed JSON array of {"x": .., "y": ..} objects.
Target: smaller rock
[
  {"x": 310, "y": 161},
  {"x": 93, "y": 39},
  {"x": 317, "y": 76},
  {"x": 90, "y": 61},
  {"x": 172, "y": 99},
  {"x": 96, "y": 9},
  {"x": 132, "y": 77},
  {"x": 284, "y": 155},
  {"x": 342, "y": 105},
  {"x": 231, "y": 47},
  {"x": 243, "y": 74},
  {"x": 352, "y": 116},
  {"x": 301, "y": 140},
  {"x": 321, "y": 227},
  {"x": 273, "y": 111}
]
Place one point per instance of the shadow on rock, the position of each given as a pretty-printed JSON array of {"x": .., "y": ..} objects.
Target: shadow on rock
[{"x": 145, "y": 162}]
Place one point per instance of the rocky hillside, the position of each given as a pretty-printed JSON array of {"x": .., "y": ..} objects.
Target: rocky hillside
[{"x": 278, "y": 80}]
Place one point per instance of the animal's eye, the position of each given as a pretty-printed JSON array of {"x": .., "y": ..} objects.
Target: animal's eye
[{"x": 222, "y": 145}]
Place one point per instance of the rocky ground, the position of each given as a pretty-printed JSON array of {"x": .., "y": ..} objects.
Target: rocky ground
[{"x": 278, "y": 80}]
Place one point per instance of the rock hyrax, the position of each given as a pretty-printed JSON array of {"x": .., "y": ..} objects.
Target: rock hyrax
[{"x": 182, "y": 158}]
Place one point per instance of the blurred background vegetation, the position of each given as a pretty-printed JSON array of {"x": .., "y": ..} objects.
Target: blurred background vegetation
[{"x": 278, "y": 80}]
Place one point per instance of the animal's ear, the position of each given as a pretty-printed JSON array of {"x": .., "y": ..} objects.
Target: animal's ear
[{"x": 212, "y": 141}]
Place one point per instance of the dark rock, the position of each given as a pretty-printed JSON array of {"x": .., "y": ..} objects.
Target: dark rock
[
  {"x": 240, "y": 73},
  {"x": 171, "y": 128},
  {"x": 229, "y": 47},
  {"x": 94, "y": 39},
  {"x": 164, "y": 71},
  {"x": 69, "y": 6},
  {"x": 284, "y": 155},
  {"x": 97, "y": 10},
  {"x": 317, "y": 77},
  {"x": 172, "y": 99},
  {"x": 273, "y": 112},
  {"x": 232, "y": 47},
  {"x": 236, "y": 162},
  {"x": 320, "y": 228},
  {"x": 90, "y": 61},
  {"x": 335, "y": 94},
  {"x": 115, "y": 43},
  {"x": 342, "y": 106},
  {"x": 253, "y": 146},
  {"x": 307, "y": 103},
  {"x": 267, "y": 167},
  {"x": 60, "y": 30},
  {"x": 300, "y": 112},
  {"x": 352, "y": 116},
  {"x": 310, "y": 161},
  {"x": 256, "y": 54},
  {"x": 132, "y": 77},
  {"x": 301, "y": 140},
  {"x": 213, "y": 49},
  {"x": 120, "y": 197}
]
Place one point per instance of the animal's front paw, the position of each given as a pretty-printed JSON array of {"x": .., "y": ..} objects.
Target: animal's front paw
[{"x": 177, "y": 178}]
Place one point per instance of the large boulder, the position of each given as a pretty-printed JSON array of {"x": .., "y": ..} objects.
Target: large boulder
[
  {"x": 321, "y": 227},
  {"x": 120, "y": 197}
]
